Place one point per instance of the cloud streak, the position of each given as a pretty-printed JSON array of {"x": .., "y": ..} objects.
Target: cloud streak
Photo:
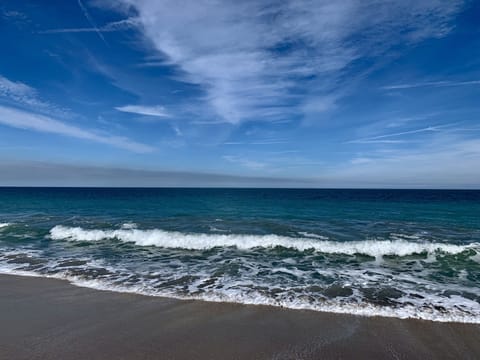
[
  {"x": 258, "y": 142},
  {"x": 157, "y": 110},
  {"x": 30, "y": 121},
  {"x": 110, "y": 27},
  {"x": 432, "y": 84},
  {"x": 380, "y": 138}
]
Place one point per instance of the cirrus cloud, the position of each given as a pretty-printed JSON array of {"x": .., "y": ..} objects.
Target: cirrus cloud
[
  {"x": 30, "y": 121},
  {"x": 270, "y": 60},
  {"x": 156, "y": 110}
]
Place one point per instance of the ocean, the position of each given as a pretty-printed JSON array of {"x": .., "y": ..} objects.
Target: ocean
[{"x": 396, "y": 253}]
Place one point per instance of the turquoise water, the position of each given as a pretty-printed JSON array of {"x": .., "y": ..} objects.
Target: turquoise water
[{"x": 401, "y": 253}]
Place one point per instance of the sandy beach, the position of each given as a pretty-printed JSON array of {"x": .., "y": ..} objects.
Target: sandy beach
[{"x": 51, "y": 319}]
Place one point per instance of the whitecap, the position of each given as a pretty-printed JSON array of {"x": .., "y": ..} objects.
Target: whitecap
[
  {"x": 311, "y": 235},
  {"x": 192, "y": 241}
]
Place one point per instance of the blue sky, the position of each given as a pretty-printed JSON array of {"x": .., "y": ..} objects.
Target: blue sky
[{"x": 240, "y": 93}]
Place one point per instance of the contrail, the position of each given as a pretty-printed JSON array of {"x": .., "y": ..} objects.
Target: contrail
[
  {"x": 90, "y": 20},
  {"x": 110, "y": 27},
  {"x": 432, "y": 83}
]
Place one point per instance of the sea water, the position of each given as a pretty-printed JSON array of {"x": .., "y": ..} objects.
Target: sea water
[{"x": 397, "y": 253}]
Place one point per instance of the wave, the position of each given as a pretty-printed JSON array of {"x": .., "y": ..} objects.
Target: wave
[
  {"x": 3, "y": 225},
  {"x": 190, "y": 241}
]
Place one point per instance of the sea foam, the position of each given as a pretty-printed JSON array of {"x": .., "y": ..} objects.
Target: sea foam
[
  {"x": 191, "y": 241},
  {"x": 452, "y": 312},
  {"x": 3, "y": 225}
]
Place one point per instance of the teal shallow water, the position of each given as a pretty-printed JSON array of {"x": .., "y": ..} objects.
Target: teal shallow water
[{"x": 402, "y": 253}]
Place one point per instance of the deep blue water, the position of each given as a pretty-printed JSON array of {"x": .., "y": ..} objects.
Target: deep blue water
[{"x": 403, "y": 253}]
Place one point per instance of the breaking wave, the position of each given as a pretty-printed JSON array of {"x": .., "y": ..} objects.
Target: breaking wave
[{"x": 191, "y": 241}]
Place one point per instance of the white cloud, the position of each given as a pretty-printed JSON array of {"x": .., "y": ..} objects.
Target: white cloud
[
  {"x": 251, "y": 164},
  {"x": 431, "y": 84},
  {"x": 30, "y": 121},
  {"x": 177, "y": 130},
  {"x": 23, "y": 95},
  {"x": 17, "y": 18},
  {"x": 360, "y": 160},
  {"x": 13, "y": 14},
  {"x": 144, "y": 110},
  {"x": 447, "y": 160},
  {"x": 16, "y": 90},
  {"x": 256, "y": 59}
]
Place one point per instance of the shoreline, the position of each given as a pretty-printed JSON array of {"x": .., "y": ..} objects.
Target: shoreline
[
  {"x": 51, "y": 318},
  {"x": 333, "y": 310}
]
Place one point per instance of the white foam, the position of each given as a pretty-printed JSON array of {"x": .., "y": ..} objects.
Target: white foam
[
  {"x": 311, "y": 235},
  {"x": 476, "y": 257},
  {"x": 294, "y": 271},
  {"x": 253, "y": 298},
  {"x": 213, "y": 228},
  {"x": 404, "y": 236},
  {"x": 173, "y": 239},
  {"x": 249, "y": 288},
  {"x": 3, "y": 225}
]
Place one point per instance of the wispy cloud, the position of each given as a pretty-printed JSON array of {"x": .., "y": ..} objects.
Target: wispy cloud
[
  {"x": 258, "y": 142},
  {"x": 14, "y": 14},
  {"x": 30, "y": 121},
  {"x": 156, "y": 110},
  {"x": 380, "y": 138},
  {"x": 446, "y": 162},
  {"x": 18, "y": 18},
  {"x": 15, "y": 90},
  {"x": 24, "y": 95},
  {"x": 366, "y": 141},
  {"x": 402, "y": 121},
  {"x": 431, "y": 84},
  {"x": 177, "y": 130},
  {"x": 276, "y": 162},
  {"x": 360, "y": 160},
  {"x": 251, "y": 164},
  {"x": 270, "y": 60},
  {"x": 110, "y": 27}
]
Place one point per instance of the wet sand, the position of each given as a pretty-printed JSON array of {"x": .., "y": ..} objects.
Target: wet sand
[{"x": 51, "y": 319}]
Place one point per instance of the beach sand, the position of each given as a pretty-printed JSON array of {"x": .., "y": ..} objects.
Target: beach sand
[{"x": 51, "y": 319}]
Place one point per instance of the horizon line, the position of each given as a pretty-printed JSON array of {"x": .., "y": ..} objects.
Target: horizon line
[{"x": 233, "y": 187}]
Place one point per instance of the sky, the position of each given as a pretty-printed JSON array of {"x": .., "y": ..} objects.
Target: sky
[{"x": 300, "y": 93}]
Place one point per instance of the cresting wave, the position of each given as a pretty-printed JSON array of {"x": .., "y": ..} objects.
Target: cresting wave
[
  {"x": 4, "y": 225},
  {"x": 172, "y": 239}
]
